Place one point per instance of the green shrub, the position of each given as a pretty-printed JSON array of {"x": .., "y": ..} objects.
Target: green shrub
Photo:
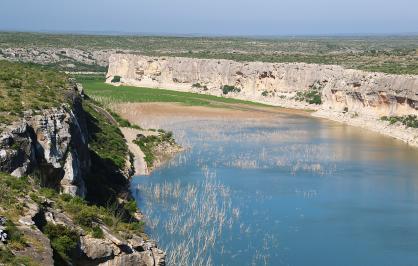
[
  {"x": 131, "y": 206},
  {"x": 63, "y": 241},
  {"x": 48, "y": 192},
  {"x": 407, "y": 120},
  {"x": 312, "y": 95},
  {"x": 97, "y": 232},
  {"x": 116, "y": 79},
  {"x": 147, "y": 144},
  {"x": 227, "y": 89},
  {"x": 87, "y": 217},
  {"x": 200, "y": 86}
]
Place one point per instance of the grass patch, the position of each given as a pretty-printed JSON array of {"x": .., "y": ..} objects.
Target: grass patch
[
  {"x": 8, "y": 258},
  {"x": 29, "y": 87},
  {"x": 122, "y": 121},
  {"x": 107, "y": 94}
]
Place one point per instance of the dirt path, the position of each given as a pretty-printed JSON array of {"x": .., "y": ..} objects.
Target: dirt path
[{"x": 139, "y": 162}]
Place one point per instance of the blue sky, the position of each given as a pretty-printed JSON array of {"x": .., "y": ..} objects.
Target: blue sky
[{"x": 212, "y": 17}]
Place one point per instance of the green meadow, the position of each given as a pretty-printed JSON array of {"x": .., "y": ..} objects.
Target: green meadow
[{"x": 108, "y": 94}]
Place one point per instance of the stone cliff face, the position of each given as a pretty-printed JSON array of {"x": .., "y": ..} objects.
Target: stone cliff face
[
  {"x": 51, "y": 144},
  {"x": 274, "y": 83}
]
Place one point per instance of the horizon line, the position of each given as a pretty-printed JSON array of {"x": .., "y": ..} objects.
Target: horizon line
[{"x": 203, "y": 35}]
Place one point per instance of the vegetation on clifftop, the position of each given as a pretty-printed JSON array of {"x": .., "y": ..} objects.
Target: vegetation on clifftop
[
  {"x": 388, "y": 54},
  {"x": 24, "y": 87},
  {"x": 107, "y": 203}
]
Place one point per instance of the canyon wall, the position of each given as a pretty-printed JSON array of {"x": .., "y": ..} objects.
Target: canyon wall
[
  {"x": 342, "y": 90},
  {"x": 51, "y": 144}
]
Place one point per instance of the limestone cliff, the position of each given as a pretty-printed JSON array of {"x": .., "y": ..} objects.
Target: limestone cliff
[
  {"x": 51, "y": 144},
  {"x": 353, "y": 97},
  {"x": 274, "y": 83}
]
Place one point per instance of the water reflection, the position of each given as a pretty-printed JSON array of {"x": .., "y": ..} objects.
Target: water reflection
[{"x": 281, "y": 189}]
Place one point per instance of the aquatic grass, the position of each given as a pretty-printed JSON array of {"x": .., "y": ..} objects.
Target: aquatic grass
[{"x": 199, "y": 213}]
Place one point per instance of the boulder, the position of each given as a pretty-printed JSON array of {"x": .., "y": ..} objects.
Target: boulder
[{"x": 96, "y": 248}]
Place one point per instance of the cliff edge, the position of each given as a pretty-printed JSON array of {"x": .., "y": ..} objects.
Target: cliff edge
[
  {"x": 344, "y": 95},
  {"x": 64, "y": 177}
]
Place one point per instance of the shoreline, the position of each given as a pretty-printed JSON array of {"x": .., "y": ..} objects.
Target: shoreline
[
  {"x": 140, "y": 165},
  {"x": 395, "y": 131},
  {"x": 371, "y": 123}
]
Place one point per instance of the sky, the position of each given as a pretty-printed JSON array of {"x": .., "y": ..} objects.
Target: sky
[{"x": 212, "y": 17}]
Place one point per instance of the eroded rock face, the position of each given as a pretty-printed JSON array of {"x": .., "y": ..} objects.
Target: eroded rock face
[
  {"x": 273, "y": 83},
  {"x": 96, "y": 248},
  {"x": 51, "y": 144},
  {"x": 115, "y": 251}
]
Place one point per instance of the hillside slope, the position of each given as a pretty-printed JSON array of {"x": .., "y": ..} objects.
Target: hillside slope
[{"x": 65, "y": 170}]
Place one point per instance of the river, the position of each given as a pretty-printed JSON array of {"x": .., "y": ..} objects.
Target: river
[{"x": 280, "y": 188}]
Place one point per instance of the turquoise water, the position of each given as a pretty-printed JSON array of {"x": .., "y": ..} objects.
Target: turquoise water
[{"x": 288, "y": 190}]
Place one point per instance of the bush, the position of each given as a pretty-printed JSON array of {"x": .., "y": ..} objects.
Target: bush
[
  {"x": 86, "y": 217},
  {"x": 200, "y": 86},
  {"x": 123, "y": 122},
  {"x": 227, "y": 89},
  {"x": 407, "y": 120},
  {"x": 312, "y": 95},
  {"x": 97, "y": 232},
  {"x": 131, "y": 206},
  {"x": 116, "y": 79},
  {"x": 63, "y": 241}
]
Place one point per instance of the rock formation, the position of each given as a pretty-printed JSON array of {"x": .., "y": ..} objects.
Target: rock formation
[
  {"x": 353, "y": 97},
  {"x": 52, "y": 144},
  {"x": 274, "y": 83}
]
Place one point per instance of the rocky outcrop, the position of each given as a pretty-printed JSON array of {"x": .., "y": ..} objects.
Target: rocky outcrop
[
  {"x": 349, "y": 96},
  {"x": 51, "y": 144},
  {"x": 68, "y": 57},
  {"x": 273, "y": 83}
]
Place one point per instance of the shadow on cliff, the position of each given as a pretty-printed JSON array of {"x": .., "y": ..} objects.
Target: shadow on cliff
[{"x": 105, "y": 180}]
